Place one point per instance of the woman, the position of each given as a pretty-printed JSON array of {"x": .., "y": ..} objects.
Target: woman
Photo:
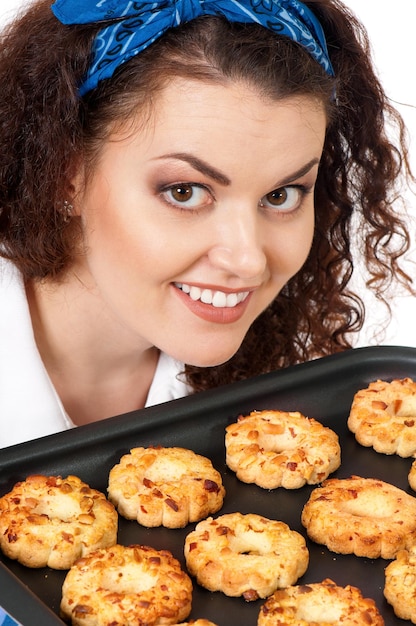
[{"x": 179, "y": 189}]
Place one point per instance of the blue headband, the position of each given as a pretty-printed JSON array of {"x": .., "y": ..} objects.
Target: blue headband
[{"x": 135, "y": 25}]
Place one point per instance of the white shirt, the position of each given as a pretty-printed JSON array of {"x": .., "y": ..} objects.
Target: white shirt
[{"x": 29, "y": 404}]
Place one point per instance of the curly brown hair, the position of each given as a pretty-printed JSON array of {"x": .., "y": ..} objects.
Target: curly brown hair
[{"x": 46, "y": 129}]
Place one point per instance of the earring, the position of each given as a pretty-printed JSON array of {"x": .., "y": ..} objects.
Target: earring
[{"x": 66, "y": 210}]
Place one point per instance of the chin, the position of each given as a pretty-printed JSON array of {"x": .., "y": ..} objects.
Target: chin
[
  {"x": 211, "y": 360},
  {"x": 208, "y": 350}
]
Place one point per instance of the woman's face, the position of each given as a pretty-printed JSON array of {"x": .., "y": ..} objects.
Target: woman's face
[{"x": 194, "y": 223}]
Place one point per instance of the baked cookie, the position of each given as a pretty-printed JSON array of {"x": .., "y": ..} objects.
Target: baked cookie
[
  {"x": 400, "y": 584},
  {"x": 126, "y": 586},
  {"x": 383, "y": 417},
  {"x": 281, "y": 449},
  {"x": 361, "y": 516},
  {"x": 245, "y": 555},
  {"x": 165, "y": 487},
  {"x": 320, "y": 604},
  {"x": 52, "y": 521}
]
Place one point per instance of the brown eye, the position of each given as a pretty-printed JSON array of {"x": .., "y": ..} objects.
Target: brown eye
[
  {"x": 182, "y": 193},
  {"x": 277, "y": 197},
  {"x": 284, "y": 199},
  {"x": 187, "y": 196}
]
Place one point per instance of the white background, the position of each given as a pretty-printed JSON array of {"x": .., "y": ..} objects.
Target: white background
[{"x": 391, "y": 29}]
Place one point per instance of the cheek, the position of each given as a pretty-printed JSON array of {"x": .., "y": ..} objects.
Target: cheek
[
  {"x": 291, "y": 248},
  {"x": 128, "y": 248},
  {"x": 110, "y": 230}
]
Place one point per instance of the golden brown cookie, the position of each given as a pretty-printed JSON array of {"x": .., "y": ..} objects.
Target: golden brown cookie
[
  {"x": 400, "y": 584},
  {"x": 52, "y": 521},
  {"x": 383, "y": 416},
  {"x": 165, "y": 487},
  {"x": 320, "y": 604},
  {"x": 361, "y": 516},
  {"x": 126, "y": 585},
  {"x": 245, "y": 555},
  {"x": 281, "y": 449}
]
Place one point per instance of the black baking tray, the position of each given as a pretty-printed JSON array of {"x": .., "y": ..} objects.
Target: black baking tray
[{"x": 322, "y": 389}]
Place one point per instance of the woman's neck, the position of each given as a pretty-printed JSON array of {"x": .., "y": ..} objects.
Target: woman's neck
[{"x": 97, "y": 367}]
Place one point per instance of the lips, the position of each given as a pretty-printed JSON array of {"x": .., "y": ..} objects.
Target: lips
[{"x": 216, "y": 298}]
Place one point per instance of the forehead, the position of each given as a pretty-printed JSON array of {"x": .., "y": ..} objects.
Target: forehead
[{"x": 219, "y": 118}]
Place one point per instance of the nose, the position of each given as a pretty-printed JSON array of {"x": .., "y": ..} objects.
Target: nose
[{"x": 238, "y": 245}]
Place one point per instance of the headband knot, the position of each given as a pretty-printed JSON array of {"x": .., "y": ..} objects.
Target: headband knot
[{"x": 129, "y": 27}]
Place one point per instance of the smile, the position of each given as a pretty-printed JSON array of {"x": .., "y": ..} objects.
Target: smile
[{"x": 218, "y": 299}]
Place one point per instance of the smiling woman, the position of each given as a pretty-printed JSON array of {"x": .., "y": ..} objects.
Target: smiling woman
[{"x": 189, "y": 196}]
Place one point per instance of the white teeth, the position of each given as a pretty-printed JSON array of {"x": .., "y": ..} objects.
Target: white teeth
[
  {"x": 218, "y": 299},
  {"x": 206, "y": 296},
  {"x": 232, "y": 299},
  {"x": 195, "y": 293}
]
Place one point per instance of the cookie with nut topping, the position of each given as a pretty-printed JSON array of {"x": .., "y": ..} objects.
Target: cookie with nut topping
[
  {"x": 383, "y": 416},
  {"x": 168, "y": 487},
  {"x": 126, "y": 585},
  {"x": 52, "y": 521}
]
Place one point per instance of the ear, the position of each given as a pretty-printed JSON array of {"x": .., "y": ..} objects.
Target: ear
[{"x": 76, "y": 187}]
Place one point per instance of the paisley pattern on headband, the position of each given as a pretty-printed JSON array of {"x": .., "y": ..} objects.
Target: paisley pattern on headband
[{"x": 129, "y": 27}]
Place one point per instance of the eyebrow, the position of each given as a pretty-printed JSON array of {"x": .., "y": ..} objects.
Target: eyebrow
[
  {"x": 204, "y": 168},
  {"x": 302, "y": 171},
  {"x": 201, "y": 166}
]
